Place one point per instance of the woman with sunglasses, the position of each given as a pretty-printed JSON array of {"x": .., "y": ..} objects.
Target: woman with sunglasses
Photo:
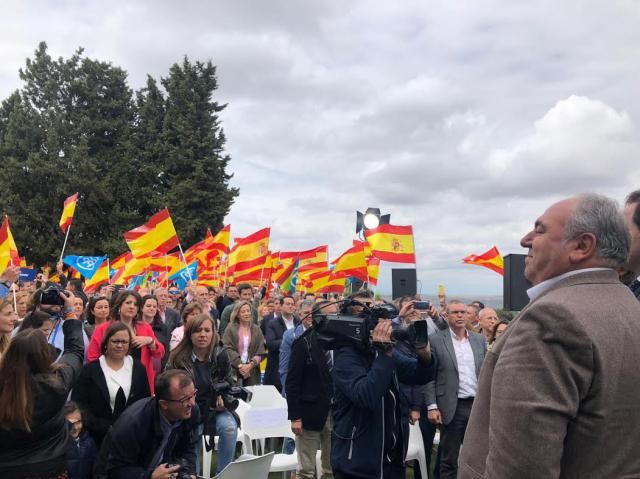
[
  {"x": 200, "y": 355},
  {"x": 106, "y": 387}
]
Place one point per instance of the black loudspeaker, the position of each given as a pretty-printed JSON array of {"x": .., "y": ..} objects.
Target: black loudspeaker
[
  {"x": 403, "y": 282},
  {"x": 515, "y": 285}
]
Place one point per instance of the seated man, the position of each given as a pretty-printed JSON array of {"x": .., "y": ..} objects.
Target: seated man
[{"x": 155, "y": 437}]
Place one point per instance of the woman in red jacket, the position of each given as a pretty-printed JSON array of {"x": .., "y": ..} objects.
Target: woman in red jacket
[{"x": 127, "y": 308}]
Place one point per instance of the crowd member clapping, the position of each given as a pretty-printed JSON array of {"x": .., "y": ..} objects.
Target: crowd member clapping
[
  {"x": 244, "y": 343},
  {"x": 106, "y": 387},
  {"x": 200, "y": 355},
  {"x": 151, "y": 316},
  {"x": 127, "y": 308},
  {"x": 33, "y": 390}
]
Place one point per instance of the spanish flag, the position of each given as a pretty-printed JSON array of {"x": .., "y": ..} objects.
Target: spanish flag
[
  {"x": 392, "y": 243},
  {"x": 156, "y": 236},
  {"x": 491, "y": 259},
  {"x": 220, "y": 241},
  {"x": 313, "y": 260},
  {"x": 373, "y": 270},
  {"x": 100, "y": 277},
  {"x": 351, "y": 263},
  {"x": 249, "y": 252},
  {"x": 67, "y": 212},
  {"x": 167, "y": 263},
  {"x": 133, "y": 267},
  {"x": 324, "y": 282},
  {"x": 8, "y": 249}
]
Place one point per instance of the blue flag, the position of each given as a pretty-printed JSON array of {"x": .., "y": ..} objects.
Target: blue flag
[
  {"x": 183, "y": 276},
  {"x": 294, "y": 279},
  {"x": 27, "y": 274},
  {"x": 85, "y": 265}
]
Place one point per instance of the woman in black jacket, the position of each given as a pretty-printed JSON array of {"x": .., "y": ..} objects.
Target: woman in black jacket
[
  {"x": 33, "y": 390},
  {"x": 108, "y": 386}
]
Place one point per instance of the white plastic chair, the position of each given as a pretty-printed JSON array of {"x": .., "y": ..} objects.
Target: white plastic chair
[
  {"x": 241, "y": 411},
  {"x": 416, "y": 450},
  {"x": 247, "y": 467},
  {"x": 281, "y": 427}
]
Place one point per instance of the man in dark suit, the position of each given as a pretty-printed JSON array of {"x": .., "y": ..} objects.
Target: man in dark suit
[
  {"x": 558, "y": 393},
  {"x": 170, "y": 317},
  {"x": 275, "y": 331},
  {"x": 309, "y": 388},
  {"x": 449, "y": 397}
]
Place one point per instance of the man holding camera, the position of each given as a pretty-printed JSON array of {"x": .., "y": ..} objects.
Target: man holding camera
[
  {"x": 367, "y": 439},
  {"x": 155, "y": 437}
]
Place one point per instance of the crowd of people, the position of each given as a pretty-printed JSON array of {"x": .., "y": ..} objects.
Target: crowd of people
[{"x": 126, "y": 383}]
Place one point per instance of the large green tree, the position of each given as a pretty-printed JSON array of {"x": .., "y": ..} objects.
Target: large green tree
[{"x": 75, "y": 125}]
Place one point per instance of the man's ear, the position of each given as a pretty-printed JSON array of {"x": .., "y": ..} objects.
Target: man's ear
[{"x": 585, "y": 247}]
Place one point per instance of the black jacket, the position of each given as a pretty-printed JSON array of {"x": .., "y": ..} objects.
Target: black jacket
[
  {"x": 81, "y": 455},
  {"x": 130, "y": 445},
  {"x": 309, "y": 386},
  {"x": 91, "y": 392},
  {"x": 41, "y": 452},
  {"x": 273, "y": 338}
]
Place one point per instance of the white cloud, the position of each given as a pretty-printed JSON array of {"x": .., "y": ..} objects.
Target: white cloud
[{"x": 463, "y": 119}]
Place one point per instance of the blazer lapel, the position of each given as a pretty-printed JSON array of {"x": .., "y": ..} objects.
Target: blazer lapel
[
  {"x": 101, "y": 382},
  {"x": 448, "y": 344},
  {"x": 476, "y": 347}
]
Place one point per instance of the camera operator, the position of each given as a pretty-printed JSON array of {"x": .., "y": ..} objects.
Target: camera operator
[
  {"x": 50, "y": 300},
  {"x": 367, "y": 439},
  {"x": 200, "y": 355}
]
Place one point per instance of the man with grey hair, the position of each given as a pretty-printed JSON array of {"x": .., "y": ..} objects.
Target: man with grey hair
[
  {"x": 632, "y": 217},
  {"x": 558, "y": 394}
]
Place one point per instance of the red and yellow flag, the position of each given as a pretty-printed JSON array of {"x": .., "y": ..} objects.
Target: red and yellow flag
[
  {"x": 100, "y": 277},
  {"x": 324, "y": 282},
  {"x": 392, "y": 243},
  {"x": 491, "y": 259},
  {"x": 351, "y": 263},
  {"x": 313, "y": 260},
  {"x": 8, "y": 249},
  {"x": 133, "y": 267},
  {"x": 249, "y": 252},
  {"x": 373, "y": 270},
  {"x": 67, "y": 212},
  {"x": 220, "y": 241},
  {"x": 157, "y": 236}
]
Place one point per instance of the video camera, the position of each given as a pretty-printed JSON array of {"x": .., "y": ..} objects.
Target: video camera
[
  {"x": 51, "y": 295},
  {"x": 345, "y": 328},
  {"x": 231, "y": 394}
]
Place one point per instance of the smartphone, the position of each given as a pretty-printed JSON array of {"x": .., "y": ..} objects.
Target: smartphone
[
  {"x": 422, "y": 305},
  {"x": 422, "y": 333}
]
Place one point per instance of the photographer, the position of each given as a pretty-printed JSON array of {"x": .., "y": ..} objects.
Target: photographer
[
  {"x": 367, "y": 439},
  {"x": 33, "y": 390},
  {"x": 155, "y": 437},
  {"x": 51, "y": 299},
  {"x": 208, "y": 364}
]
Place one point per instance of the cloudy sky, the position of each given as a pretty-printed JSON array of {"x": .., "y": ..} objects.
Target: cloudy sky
[{"x": 464, "y": 119}]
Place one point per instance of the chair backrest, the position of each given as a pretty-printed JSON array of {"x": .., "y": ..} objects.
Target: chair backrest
[
  {"x": 245, "y": 467},
  {"x": 242, "y": 409}
]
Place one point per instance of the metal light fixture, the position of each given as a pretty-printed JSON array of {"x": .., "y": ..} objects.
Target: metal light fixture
[{"x": 370, "y": 219}]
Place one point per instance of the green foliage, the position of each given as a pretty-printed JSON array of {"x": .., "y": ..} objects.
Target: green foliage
[{"x": 75, "y": 125}]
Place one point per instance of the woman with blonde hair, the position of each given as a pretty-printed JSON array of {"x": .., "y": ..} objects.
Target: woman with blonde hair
[{"x": 244, "y": 343}]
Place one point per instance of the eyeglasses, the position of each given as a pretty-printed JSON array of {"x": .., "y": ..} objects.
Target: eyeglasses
[{"x": 185, "y": 400}]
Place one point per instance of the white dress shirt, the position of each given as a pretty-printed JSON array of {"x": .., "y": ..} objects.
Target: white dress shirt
[
  {"x": 117, "y": 379},
  {"x": 535, "y": 291},
  {"x": 467, "y": 379}
]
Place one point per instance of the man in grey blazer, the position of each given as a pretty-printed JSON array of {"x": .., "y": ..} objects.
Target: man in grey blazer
[
  {"x": 559, "y": 394},
  {"x": 449, "y": 397}
]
